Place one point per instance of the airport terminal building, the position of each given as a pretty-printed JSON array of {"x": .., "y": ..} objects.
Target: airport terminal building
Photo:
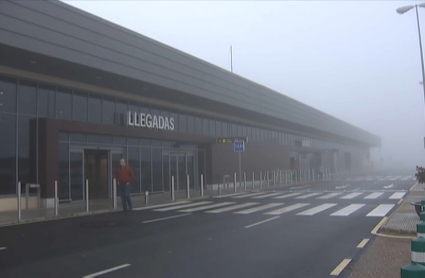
[{"x": 78, "y": 93}]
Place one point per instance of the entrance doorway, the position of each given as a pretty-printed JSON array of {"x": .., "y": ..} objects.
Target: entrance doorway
[
  {"x": 179, "y": 165},
  {"x": 96, "y": 172}
]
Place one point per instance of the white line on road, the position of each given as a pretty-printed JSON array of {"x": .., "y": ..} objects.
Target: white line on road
[
  {"x": 363, "y": 243},
  {"x": 397, "y": 195},
  {"x": 343, "y": 186},
  {"x": 182, "y": 206},
  {"x": 207, "y": 207},
  {"x": 351, "y": 196},
  {"x": 165, "y": 218},
  {"x": 267, "y": 195},
  {"x": 286, "y": 209},
  {"x": 261, "y": 222},
  {"x": 248, "y": 195},
  {"x": 317, "y": 209},
  {"x": 299, "y": 187},
  {"x": 348, "y": 210},
  {"x": 107, "y": 271},
  {"x": 231, "y": 195},
  {"x": 329, "y": 196},
  {"x": 374, "y": 195},
  {"x": 308, "y": 195},
  {"x": 388, "y": 186},
  {"x": 287, "y": 195},
  {"x": 163, "y": 205},
  {"x": 3, "y": 248},
  {"x": 251, "y": 210},
  {"x": 380, "y": 211},
  {"x": 399, "y": 201},
  {"x": 231, "y": 208},
  {"x": 340, "y": 267}
]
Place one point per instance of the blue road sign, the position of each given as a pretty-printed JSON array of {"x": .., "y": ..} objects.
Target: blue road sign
[{"x": 239, "y": 146}]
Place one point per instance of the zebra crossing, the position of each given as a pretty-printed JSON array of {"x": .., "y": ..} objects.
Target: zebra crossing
[{"x": 379, "y": 178}]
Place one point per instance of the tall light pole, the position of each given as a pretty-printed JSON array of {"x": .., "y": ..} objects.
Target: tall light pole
[{"x": 403, "y": 10}]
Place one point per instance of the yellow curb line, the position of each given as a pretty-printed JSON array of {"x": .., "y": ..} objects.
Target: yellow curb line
[{"x": 380, "y": 224}]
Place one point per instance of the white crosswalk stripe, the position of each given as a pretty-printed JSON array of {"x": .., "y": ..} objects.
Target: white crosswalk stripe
[
  {"x": 328, "y": 196},
  {"x": 249, "y": 195},
  {"x": 380, "y": 211},
  {"x": 348, "y": 210},
  {"x": 287, "y": 195},
  {"x": 207, "y": 207},
  {"x": 308, "y": 195},
  {"x": 374, "y": 195},
  {"x": 231, "y": 195},
  {"x": 351, "y": 196},
  {"x": 182, "y": 206},
  {"x": 220, "y": 210},
  {"x": 162, "y": 205},
  {"x": 286, "y": 209},
  {"x": 267, "y": 195},
  {"x": 397, "y": 195},
  {"x": 316, "y": 210},
  {"x": 260, "y": 208}
]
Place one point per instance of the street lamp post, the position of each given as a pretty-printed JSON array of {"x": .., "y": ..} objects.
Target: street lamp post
[{"x": 403, "y": 10}]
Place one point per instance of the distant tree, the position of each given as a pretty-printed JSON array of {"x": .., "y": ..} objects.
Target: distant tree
[{"x": 420, "y": 175}]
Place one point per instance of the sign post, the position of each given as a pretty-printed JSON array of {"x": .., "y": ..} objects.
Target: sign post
[{"x": 239, "y": 147}]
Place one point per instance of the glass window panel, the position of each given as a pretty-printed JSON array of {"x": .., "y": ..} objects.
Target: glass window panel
[
  {"x": 239, "y": 131},
  {"x": 120, "y": 141},
  {"x": 46, "y": 101},
  {"x": 156, "y": 143},
  {"x": 63, "y": 136},
  {"x": 167, "y": 144},
  {"x": 205, "y": 127},
  {"x": 201, "y": 165},
  {"x": 218, "y": 128},
  {"x": 212, "y": 128},
  {"x": 249, "y": 133},
  {"x": 146, "y": 174},
  {"x": 8, "y": 154},
  {"x": 78, "y": 137},
  {"x": 27, "y": 98},
  {"x": 234, "y": 131},
  {"x": 92, "y": 138},
  {"x": 122, "y": 107},
  {"x": 7, "y": 94},
  {"x": 224, "y": 129},
  {"x": 79, "y": 106},
  {"x": 63, "y": 182},
  {"x": 76, "y": 164},
  {"x": 133, "y": 141},
  {"x": 190, "y": 124},
  {"x": 145, "y": 142},
  {"x": 243, "y": 130},
  {"x": 157, "y": 170},
  {"x": 134, "y": 163},
  {"x": 134, "y": 106},
  {"x": 63, "y": 103},
  {"x": 108, "y": 110},
  {"x": 155, "y": 111},
  {"x": 182, "y": 123},
  {"x": 166, "y": 172},
  {"x": 198, "y": 126},
  {"x": 95, "y": 109}
]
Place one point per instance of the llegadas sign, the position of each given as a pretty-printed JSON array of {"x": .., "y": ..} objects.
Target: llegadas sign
[{"x": 150, "y": 121}]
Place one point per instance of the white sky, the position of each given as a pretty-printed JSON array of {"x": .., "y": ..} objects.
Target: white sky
[{"x": 356, "y": 60}]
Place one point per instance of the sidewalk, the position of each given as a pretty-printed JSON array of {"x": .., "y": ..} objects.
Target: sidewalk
[{"x": 391, "y": 248}]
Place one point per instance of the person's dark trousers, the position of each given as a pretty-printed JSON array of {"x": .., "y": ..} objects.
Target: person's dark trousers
[{"x": 124, "y": 190}]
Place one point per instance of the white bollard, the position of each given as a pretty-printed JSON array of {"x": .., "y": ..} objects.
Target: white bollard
[
  {"x": 253, "y": 180},
  {"x": 187, "y": 187},
  {"x": 268, "y": 179},
  {"x": 172, "y": 188},
  {"x": 202, "y": 185},
  {"x": 56, "y": 199},
  {"x": 244, "y": 180},
  {"x": 87, "y": 196},
  {"x": 114, "y": 193},
  {"x": 261, "y": 179},
  {"x": 146, "y": 198},
  {"x": 18, "y": 193},
  {"x": 234, "y": 181}
]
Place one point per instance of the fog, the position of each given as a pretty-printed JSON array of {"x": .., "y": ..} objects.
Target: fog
[{"x": 356, "y": 60}]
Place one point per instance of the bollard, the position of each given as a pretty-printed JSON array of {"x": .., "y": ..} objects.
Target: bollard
[
  {"x": 268, "y": 179},
  {"x": 253, "y": 180},
  {"x": 244, "y": 180},
  {"x": 187, "y": 187},
  {"x": 202, "y": 185},
  {"x": 261, "y": 179},
  {"x": 234, "y": 181},
  {"x": 274, "y": 178},
  {"x": 56, "y": 199},
  {"x": 280, "y": 177},
  {"x": 313, "y": 174},
  {"x": 146, "y": 198},
  {"x": 18, "y": 193},
  {"x": 114, "y": 193},
  {"x": 87, "y": 196},
  {"x": 172, "y": 188},
  {"x": 296, "y": 177},
  {"x": 219, "y": 189},
  {"x": 286, "y": 177}
]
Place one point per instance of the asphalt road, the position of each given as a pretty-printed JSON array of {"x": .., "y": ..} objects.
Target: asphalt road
[{"x": 304, "y": 231}]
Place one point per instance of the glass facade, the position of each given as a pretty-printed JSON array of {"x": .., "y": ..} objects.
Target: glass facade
[{"x": 23, "y": 101}]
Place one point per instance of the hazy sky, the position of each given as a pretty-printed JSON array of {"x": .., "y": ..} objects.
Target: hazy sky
[{"x": 356, "y": 60}]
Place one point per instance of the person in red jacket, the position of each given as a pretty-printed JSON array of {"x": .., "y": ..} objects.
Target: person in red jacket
[{"x": 124, "y": 179}]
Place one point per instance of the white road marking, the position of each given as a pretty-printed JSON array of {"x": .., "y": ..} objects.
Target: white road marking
[
  {"x": 317, "y": 209},
  {"x": 287, "y": 195},
  {"x": 389, "y": 186},
  {"x": 163, "y": 205},
  {"x": 251, "y": 210},
  {"x": 107, "y": 271},
  {"x": 308, "y": 195},
  {"x": 232, "y": 208},
  {"x": 207, "y": 207},
  {"x": 231, "y": 195},
  {"x": 182, "y": 206},
  {"x": 3, "y": 248},
  {"x": 286, "y": 209},
  {"x": 374, "y": 195},
  {"x": 342, "y": 186},
  {"x": 340, "y": 267},
  {"x": 165, "y": 218},
  {"x": 348, "y": 210},
  {"x": 399, "y": 201},
  {"x": 328, "y": 196},
  {"x": 300, "y": 187},
  {"x": 380, "y": 211},
  {"x": 351, "y": 195},
  {"x": 397, "y": 195},
  {"x": 261, "y": 222},
  {"x": 267, "y": 195},
  {"x": 249, "y": 195},
  {"x": 363, "y": 243}
]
